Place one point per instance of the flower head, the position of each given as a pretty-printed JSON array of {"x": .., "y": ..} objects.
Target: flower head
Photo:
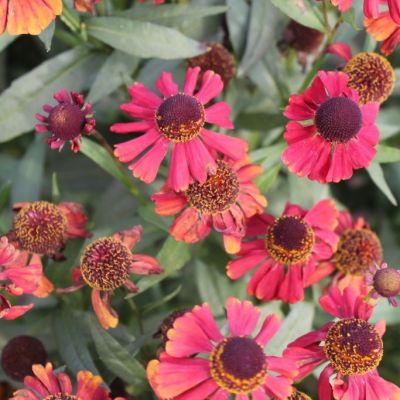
[
  {"x": 49, "y": 385},
  {"x": 177, "y": 120},
  {"x": 86, "y": 5},
  {"x": 287, "y": 251},
  {"x": 385, "y": 282},
  {"x": 199, "y": 362},
  {"x": 297, "y": 395},
  {"x": 106, "y": 265},
  {"x": 28, "y": 16},
  {"x": 67, "y": 121},
  {"x": 19, "y": 354},
  {"x": 352, "y": 347},
  {"x": 222, "y": 202},
  {"x": 217, "y": 59},
  {"x": 331, "y": 133}
]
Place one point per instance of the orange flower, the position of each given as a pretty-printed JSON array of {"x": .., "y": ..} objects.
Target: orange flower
[{"x": 27, "y": 16}]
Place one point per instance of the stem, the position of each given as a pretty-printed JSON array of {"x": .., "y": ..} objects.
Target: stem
[
  {"x": 128, "y": 181},
  {"x": 70, "y": 19}
]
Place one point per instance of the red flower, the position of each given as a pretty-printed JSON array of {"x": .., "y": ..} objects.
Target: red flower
[
  {"x": 28, "y": 16},
  {"x": 50, "y": 385},
  {"x": 106, "y": 265},
  {"x": 287, "y": 251},
  {"x": 352, "y": 347},
  {"x": 67, "y": 121},
  {"x": 201, "y": 363},
  {"x": 177, "y": 119},
  {"x": 335, "y": 134},
  {"x": 222, "y": 202}
]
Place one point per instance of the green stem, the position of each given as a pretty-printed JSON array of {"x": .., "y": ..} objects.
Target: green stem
[{"x": 70, "y": 19}]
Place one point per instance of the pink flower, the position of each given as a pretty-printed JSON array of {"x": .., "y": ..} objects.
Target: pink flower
[
  {"x": 201, "y": 363},
  {"x": 222, "y": 202},
  {"x": 9, "y": 312},
  {"x": 106, "y": 265},
  {"x": 352, "y": 347},
  {"x": 371, "y": 7},
  {"x": 67, "y": 121},
  {"x": 177, "y": 119},
  {"x": 287, "y": 251},
  {"x": 331, "y": 133},
  {"x": 50, "y": 385}
]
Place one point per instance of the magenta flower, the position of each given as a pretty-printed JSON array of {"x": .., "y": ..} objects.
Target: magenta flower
[{"x": 178, "y": 118}]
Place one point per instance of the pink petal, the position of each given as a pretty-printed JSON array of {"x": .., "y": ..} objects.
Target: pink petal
[
  {"x": 211, "y": 86},
  {"x": 143, "y": 96},
  {"x": 178, "y": 174},
  {"x": 232, "y": 147},
  {"x": 165, "y": 84},
  {"x": 343, "y": 50},
  {"x": 128, "y": 127},
  {"x": 191, "y": 80},
  {"x": 242, "y": 317},
  {"x": 219, "y": 114},
  {"x": 269, "y": 327}
]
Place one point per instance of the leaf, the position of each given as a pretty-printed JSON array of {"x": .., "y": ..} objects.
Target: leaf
[
  {"x": 268, "y": 178},
  {"x": 302, "y": 11},
  {"x": 387, "y": 154},
  {"x": 172, "y": 257},
  {"x": 263, "y": 21},
  {"x": 148, "y": 214},
  {"x": 105, "y": 161},
  {"x": 116, "y": 71},
  {"x": 55, "y": 190},
  {"x": 385, "y": 311},
  {"x": 143, "y": 39},
  {"x": 47, "y": 36},
  {"x": 237, "y": 18},
  {"x": 376, "y": 173},
  {"x": 70, "y": 342},
  {"x": 297, "y": 323},
  {"x": 171, "y": 13},
  {"x": 29, "y": 175},
  {"x": 350, "y": 18},
  {"x": 5, "y": 192},
  {"x": 19, "y": 103},
  {"x": 5, "y": 40},
  {"x": 153, "y": 306},
  {"x": 115, "y": 357}
]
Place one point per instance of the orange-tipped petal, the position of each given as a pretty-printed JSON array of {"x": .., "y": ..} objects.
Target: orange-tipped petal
[{"x": 105, "y": 314}]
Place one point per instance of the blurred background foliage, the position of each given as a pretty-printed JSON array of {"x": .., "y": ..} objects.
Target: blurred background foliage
[{"x": 100, "y": 56}]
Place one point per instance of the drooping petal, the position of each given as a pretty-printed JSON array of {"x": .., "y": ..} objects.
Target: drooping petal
[{"x": 107, "y": 317}]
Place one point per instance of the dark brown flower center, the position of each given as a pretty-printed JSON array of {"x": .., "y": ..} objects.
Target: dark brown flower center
[
  {"x": 338, "y": 119},
  {"x": 353, "y": 347},
  {"x": 290, "y": 239},
  {"x": 299, "y": 396},
  {"x": 217, "y": 59},
  {"x": 66, "y": 121},
  {"x": 217, "y": 194},
  {"x": 387, "y": 282},
  {"x": 358, "y": 249},
  {"x": 180, "y": 118},
  {"x": 238, "y": 364},
  {"x": 40, "y": 227},
  {"x": 105, "y": 264},
  {"x": 61, "y": 396},
  {"x": 19, "y": 354},
  {"x": 372, "y": 76}
]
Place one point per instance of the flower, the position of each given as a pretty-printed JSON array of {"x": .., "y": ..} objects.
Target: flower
[
  {"x": 105, "y": 265},
  {"x": 49, "y": 385},
  {"x": 19, "y": 354},
  {"x": 86, "y": 5},
  {"x": 28, "y": 16},
  {"x": 370, "y": 75},
  {"x": 9, "y": 312},
  {"x": 336, "y": 134},
  {"x": 352, "y": 347},
  {"x": 167, "y": 324},
  {"x": 201, "y": 363},
  {"x": 384, "y": 29},
  {"x": 217, "y": 59},
  {"x": 359, "y": 248},
  {"x": 297, "y": 395},
  {"x": 178, "y": 119},
  {"x": 155, "y": 2},
  {"x": 67, "y": 121},
  {"x": 222, "y": 202},
  {"x": 371, "y": 7},
  {"x": 385, "y": 282},
  {"x": 287, "y": 251}
]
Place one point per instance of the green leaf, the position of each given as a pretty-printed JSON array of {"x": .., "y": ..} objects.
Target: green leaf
[
  {"x": 297, "y": 323},
  {"x": 268, "y": 178},
  {"x": 29, "y": 175},
  {"x": 148, "y": 214},
  {"x": 26, "y": 95},
  {"x": 385, "y": 311},
  {"x": 116, "y": 71},
  {"x": 143, "y": 39},
  {"x": 47, "y": 36},
  {"x": 105, "y": 161},
  {"x": 55, "y": 190},
  {"x": 158, "y": 303},
  {"x": 71, "y": 343},
  {"x": 305, "y": 12},
  {"x": 115, "y": 357},
  {"x": 237, "y": 18},
  {"x": 376, "y": 173},
  {"x": 5, "y": 40},
  {"x": 262, "y": 25},
  {"x": 5, "y": 192},
  {"x": 172, "y": 257},
  {"x": 387, "y": 154},
  {"x": 171, "y": 13},
  {"x": 350, "y": 18}
]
